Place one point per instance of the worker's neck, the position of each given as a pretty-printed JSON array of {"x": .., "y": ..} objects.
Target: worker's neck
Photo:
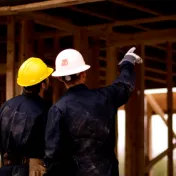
[{"x": 68, "y": 86}]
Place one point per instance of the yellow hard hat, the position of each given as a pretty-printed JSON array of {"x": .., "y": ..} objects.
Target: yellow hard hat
[{"x": 32, "y": 72}]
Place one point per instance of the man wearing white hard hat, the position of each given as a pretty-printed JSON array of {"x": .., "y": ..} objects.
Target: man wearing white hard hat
[{"x": 80, "y": 132}]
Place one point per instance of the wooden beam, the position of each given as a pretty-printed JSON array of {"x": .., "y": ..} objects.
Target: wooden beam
[
  {"x": 26, "y": 45},
  {"x": 156, "y": 108},
  {"x": 94, "y": 61},
  {"x": 2, "y": 69},
  {"x": 148, "y": 138},
  {"x": 26, "y": 40},
  {"x": 134, "y": 22},
  {"x": 134, "y": 6},
  {"x": 170, "y": 163},
  {"x": 112, "y": 64},
  {"x": 51, "y": 21},
  {"x": 111, "y": 74},
  {"x": 157, "y": 158},
  {"x": 149, "y": 37},
  {"x": 134, "y": 159},
  {"x": 158, "y": 71},
  {"x": 10, "y": 70},
  {"x": 9, "y": 10},
  {"x": 56, "y": 84},
  {"x": 155, "y": 80}
]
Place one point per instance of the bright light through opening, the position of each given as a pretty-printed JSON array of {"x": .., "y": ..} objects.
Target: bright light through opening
[{"x": 158, "y": 91}]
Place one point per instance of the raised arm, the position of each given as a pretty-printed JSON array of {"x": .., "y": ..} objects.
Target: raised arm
[{"x": 119, "y": 92}]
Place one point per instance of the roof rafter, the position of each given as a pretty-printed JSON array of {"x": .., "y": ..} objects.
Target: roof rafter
[
  {"x": 134, "y": 22},
  {"x": 149, "y": 37},
  {"x": 134, "y": 6},
  {"x": 9, "y": 10}
]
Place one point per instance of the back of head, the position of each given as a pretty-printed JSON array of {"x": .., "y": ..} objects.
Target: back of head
[
  {"x": 33, "y": 72},
  {"x": 69, "y": 62},
  {"x": 70, "y": 65}
]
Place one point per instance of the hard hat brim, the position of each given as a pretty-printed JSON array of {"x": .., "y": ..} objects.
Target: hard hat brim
[
  {"x": 49, "y": 72},
  {"x": 70, "y": 72}
]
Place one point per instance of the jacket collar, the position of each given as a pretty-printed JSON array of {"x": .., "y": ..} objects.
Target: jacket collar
[{"x": 77, "y": 87}]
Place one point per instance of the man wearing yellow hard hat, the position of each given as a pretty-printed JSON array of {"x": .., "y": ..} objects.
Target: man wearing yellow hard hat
[
  {"x": 23, "y": 120},
  {"x": 80, "y": 131}
]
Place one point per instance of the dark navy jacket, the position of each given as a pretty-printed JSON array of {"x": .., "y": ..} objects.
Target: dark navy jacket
[
  {"x": 80, "y": 132},
  {"x": 23, "y": 122}
]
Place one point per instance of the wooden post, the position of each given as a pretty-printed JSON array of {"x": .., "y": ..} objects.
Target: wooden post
[
  {"x": 148, "y": 131},
  {"x": 94, "y": 62},
  {"x": 26, "y": 40},
  {"x": 40, "y": 53},
  {"x": 134, "y": 159},
  {"x": 111, "y": 74},
  {"x": 56, "y": 83},
  {"x": 40, "y": 48},
  {"x": 112, "y": 64},
  {"x": 170, "y": 109},
  {"x": 81, "y": 44},
  {"x": 10, "y": 70},
  {"x": 26, "y": 43}
]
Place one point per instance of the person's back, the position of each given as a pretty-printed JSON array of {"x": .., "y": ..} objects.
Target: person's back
[
  {"x": 23, "y": 121},
  {"x": 90, "y": 117},
  {"x": 80, "y": 132}
]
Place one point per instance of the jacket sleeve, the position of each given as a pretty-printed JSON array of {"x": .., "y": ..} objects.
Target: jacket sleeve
[
  {"x": 119, "y": 92},
  {"x": 52, "y": 135}
]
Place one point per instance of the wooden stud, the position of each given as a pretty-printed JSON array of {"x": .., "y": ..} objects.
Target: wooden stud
[
  {"x": 26, "y": 44},
  {"x": 94, "y": 62},
  {"x": 157, "y": 158},
  {"x": 81, "y": 44},
  {"x": 10, "y": 71},
  {"x": 112, "y": 65},
  {"x": 134, "y": 159},
  {"x": 111, "y": 74},
  {"x": 56, "y": 84},
  {"x": 134, "y": 22},
  {"x": 148, "y": 37},
  {"x": 134, "y": 6},
  {"x": 148, "y": 143},
  {"x": 170, "y": 111}
]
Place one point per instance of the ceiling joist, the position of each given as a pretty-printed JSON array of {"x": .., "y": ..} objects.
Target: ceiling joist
[
  {"x": 11, "y": 10},
  {"x": 134, "y": 6},
  {"x": 134, "y": 22},
  {"x": 149, "y": 38}
]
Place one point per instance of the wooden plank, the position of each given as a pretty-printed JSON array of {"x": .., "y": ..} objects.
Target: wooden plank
[
  {"x": 112, "y": 65},
  {"x": 81, "y": 43},
  {"x": 134, "y": 22},
  {"x": 149, "y": 37},
  {"x": 55, "y": 81},
  {"x": 10, "y": 71},
  {"x": 51, "y": 21},
  {"x": 148, "y": 139},
  {"x": 156, "y": 108},
  {"x": 94, "y": 61},
  {"x": 134, "y": 159},
  {"x": 26, "y": 40},
  {"x": 111, "y": 74},
  {"x": 26, "y": 45},
  {"x": 170, "y": 163},
  {"x": 162, "y": 81},
  {"x": 2, "y": 69},
  {"x": 9, "y": 10},
  {"x": 134, "y": 6},
  {"x": 157, "y": 158}
]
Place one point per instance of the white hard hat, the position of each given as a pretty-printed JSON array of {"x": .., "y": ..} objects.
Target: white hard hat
[{"x": 69, "y": 62}]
